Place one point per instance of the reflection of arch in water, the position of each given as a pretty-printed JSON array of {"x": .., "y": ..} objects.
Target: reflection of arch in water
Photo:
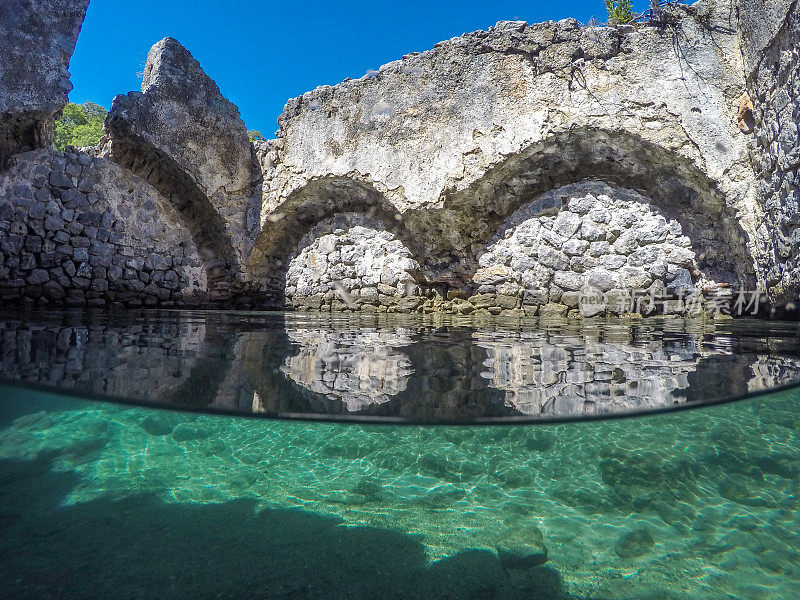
[
  {"x": 574, "y": 374},
  {"x": 303, "y": 210},
  {"x": 437, "y": 380},
  {"x": 361, "y": 368},
  {"x": 294, "y": 368}
]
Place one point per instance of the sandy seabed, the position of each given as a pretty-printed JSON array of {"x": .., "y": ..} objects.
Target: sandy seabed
[{"x": 100, "y": 500}]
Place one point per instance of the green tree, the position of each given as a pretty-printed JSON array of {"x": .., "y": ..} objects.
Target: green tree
[
  {"x": 80, "y": 125},
  {"x": 620, "y": 11},
  {"x": 255, "y": 135}
]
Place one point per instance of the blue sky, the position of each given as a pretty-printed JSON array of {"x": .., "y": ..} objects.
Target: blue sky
[{"x": 263, "y": 53}]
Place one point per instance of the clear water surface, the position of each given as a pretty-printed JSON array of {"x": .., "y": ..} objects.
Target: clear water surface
[
  {"x": 397, "y": 368},
  {"x": 108, "y": 500}
]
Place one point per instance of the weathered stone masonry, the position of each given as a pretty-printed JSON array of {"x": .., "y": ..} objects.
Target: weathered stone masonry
[
  {"x": 772, "y": 67},
  {"x": 87, "y": 233},
  {"x": 37, "y": 42},
  {"x": 515, "y": 170}
]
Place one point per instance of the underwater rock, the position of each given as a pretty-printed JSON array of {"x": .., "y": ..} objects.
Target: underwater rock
[
  {"x": 521, "y": 556},
  {"x": 736, "y": 490},
  {"x": 635, "y": 475},
  {"x": 634, "y": 543},
  {"x": 370, "y": 488},
  {"x": 540, "y": 441},
  {"x": 187, "y": 431},
  {"x": 523, "y": 549},
  {"x": 156, "y": 425}
]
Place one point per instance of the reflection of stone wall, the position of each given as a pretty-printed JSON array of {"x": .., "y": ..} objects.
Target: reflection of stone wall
[
  {"x": 394, "y": 366},
  {"x": 573, "y": 374},
  {"x": 358, "y": 367},
  {"x": 771, "y": 372},
  {"x": 586, "y": 238},
  {"x": 349, "y": 260},
  {"x": 143, "y": 361}
]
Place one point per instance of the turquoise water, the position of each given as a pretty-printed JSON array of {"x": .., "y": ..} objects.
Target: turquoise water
[{"x": 105, "y": 501}]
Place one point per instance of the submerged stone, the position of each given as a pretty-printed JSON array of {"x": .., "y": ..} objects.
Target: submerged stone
[
  {"x": 521, "y": 556},
  {"x": 634, "y": 543}
]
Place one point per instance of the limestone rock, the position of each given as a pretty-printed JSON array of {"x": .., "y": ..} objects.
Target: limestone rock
[
  {"x": 181, "y": 112},
  {"x": 521, "y": 556},
  {"x": 182, "y": 125},
  {"x": 38, "y": 38},
  {"x": 522, "y": 549},
  {"x": 771, "y": 46}
]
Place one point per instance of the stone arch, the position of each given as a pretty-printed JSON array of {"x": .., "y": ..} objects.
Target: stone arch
[
  {"x": 300, "y": 213},
  {"x": 201, "y": 218},
  {"x": 674, "y": 183}
]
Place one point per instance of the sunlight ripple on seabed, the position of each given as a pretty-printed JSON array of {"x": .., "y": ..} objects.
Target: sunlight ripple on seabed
[{"x": 698, "y": 504}]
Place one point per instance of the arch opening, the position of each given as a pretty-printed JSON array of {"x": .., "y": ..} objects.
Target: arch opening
[
  {"x": 334, "y": 244},
  {"x": 596, "y": 247},
  {"x": 203, "y": 221},
  {"x": 467, "y": 219}
]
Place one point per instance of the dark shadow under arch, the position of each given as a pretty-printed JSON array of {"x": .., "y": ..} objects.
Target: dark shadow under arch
[{"x": 304, "y": 209}]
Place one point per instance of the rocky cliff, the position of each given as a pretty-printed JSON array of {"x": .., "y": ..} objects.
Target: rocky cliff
[{"x": 38, "y": 37}]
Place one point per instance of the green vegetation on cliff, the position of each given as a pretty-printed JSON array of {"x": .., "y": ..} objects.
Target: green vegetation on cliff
[
  {"x": 80, "y": 125},
  {"x": 254, "y": 135},
  {"x": 621, "y": 11}
]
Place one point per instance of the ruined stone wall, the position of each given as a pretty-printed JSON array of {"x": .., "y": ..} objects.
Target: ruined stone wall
[
  {"x": 37, "y": 37},
  {"x": 190, "y": 143},
  {"x": 771, "y": 31},
  {"x": 448, "y": 144},
  {"x": 457, "y": 138},
  {"x": 97, "y": 358},
  {"x": 81, "y": 231},
  {"x": 458, "y": 172}
]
